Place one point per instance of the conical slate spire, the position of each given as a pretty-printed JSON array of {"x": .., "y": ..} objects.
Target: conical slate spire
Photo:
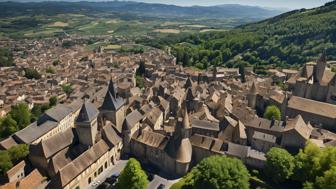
[
  {"x": 112, "y": 89},
  {"x": 87, "y": 113},
  {"x": 253, "y": 89},
  {"x": 189, "y": 83},
  {"x": 186, "y": 121}
]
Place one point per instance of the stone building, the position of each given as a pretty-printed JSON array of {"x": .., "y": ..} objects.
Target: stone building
[
  {"x": 75, "y": 157},
  {"x": 171, "y": 154},
  {"x": 113, "y": 108},
  {"x": 315, "y": 81}
]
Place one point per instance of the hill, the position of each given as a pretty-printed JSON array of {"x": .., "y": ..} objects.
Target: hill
[
  {"x": 287, "y": 40},
  {"x": 132, "y": 19},
  {"x": 248, "y": 13}
]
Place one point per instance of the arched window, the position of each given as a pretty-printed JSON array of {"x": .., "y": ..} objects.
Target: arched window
[{"x": 89, "y": 180}]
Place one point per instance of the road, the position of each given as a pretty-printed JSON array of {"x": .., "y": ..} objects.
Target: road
[
  {"x": 117, "y": 168},
  {"x": 159, "y": 180}
]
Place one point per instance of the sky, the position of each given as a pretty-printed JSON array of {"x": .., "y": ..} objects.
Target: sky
[{"x": 288, "y": 4}]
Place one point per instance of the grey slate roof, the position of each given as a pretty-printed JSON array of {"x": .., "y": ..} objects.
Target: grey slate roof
[
  {"x": 34, "y": 131},
  {"x": 112, "y": 103},
  {"x": 58, "y": 113},
  {"x": 112, "y": 89},
  {"x": 110, "y": 136},
  {"x": 77, "y": 166},
  {"x": 87, "y": 113},
  {"x": 54, "y": 144}
]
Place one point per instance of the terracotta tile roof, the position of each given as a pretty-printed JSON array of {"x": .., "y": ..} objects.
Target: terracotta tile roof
[
  {"x": 16, "y": 168},
  {"x": 32, "y": 181}
]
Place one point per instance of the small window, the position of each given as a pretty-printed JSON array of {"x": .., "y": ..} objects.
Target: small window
[
  {"x": 89, "y": 180},
  {"x": 105, "y": 165}
]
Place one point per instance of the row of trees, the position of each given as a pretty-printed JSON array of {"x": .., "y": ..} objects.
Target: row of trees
[{"x": 21, "y": 116}]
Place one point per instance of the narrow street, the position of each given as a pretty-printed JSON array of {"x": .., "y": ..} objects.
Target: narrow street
[
  {"x": 159, "y": 180},
  {"x": 117, "y": 168}
]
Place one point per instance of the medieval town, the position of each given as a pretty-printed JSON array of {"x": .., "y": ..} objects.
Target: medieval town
[{"x": 174, "y": 119}]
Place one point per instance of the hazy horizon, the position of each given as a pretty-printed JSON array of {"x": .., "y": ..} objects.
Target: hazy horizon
[{"x": 288, "y": 4}]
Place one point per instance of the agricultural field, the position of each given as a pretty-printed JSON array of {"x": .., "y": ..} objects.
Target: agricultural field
[
  {"x": 120, "y": 18},
  {"x": 100, "y": 24}
]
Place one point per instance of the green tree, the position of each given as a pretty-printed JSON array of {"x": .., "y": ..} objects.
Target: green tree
[
  {"x": 186, "y": 59},
  {"x": 272, "y": 112},
  {"x": 67, "y": 89},
  {"x": 52, "y": 101},
  {"x": 36, "y": 112},
  {"x": 142, "y": 69},
  {"x": 307, "y": 163},
  {"x": 6, "y": 58},
  {"x": 328, "y": 180},
  {"x": 279, "y": 165},
  {"x": 51, "y": 70},
  {"x": 242, "y": 73},
  {"x": 5, "y": 162},
  {"x": 56, "y": 62},
  {"x": 132, "y": 177},
  {"x": 8, "y": 126},
  {"x": 67, "y": 44},
  {"x": 18, "y": 152},
  {"x": 218, "y": 172},
  {"x": 32, "y": 73},
  {"x": 21, "y": 114}
]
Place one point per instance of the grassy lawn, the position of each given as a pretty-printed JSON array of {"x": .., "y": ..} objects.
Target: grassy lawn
[{"x": 112, "y": 47}]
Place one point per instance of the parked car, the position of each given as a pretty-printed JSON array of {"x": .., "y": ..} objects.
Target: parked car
[
  {"x": 105, "y": 185},
  {"x": 112, "y": 179}
]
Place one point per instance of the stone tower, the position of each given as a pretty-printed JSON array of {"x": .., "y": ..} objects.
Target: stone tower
[
  {"x": 86, "y": 124},
  {"x": 252, "y": 96},
  {"x": 320, "y": 68},
  {"x": 179, "y": 148},
  {"x": 186, "y": 126},
  {"x": 113, "y": 107}
]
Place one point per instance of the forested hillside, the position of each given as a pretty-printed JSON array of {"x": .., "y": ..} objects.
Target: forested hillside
[{"x": 290, "y": 39}]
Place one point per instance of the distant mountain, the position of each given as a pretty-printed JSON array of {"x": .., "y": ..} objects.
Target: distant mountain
[{"x": 8, "y": 9}]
